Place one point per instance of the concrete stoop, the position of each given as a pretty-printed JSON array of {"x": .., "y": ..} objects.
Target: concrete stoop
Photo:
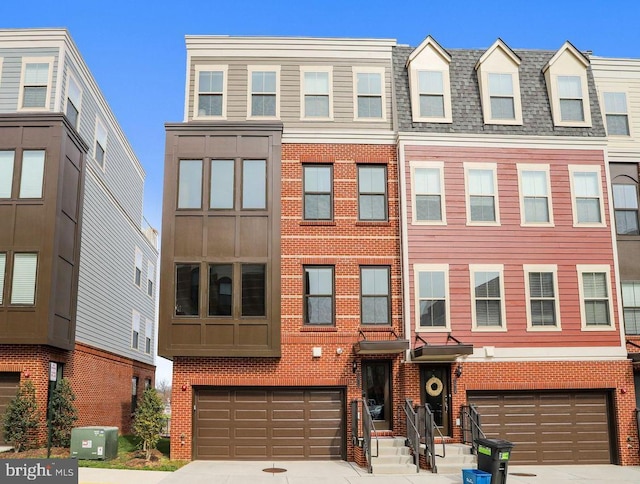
[
  {"x": 393, "y": 456},
  {"x": 457, "y": 457}
]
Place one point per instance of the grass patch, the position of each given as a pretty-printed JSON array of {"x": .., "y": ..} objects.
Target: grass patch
[{"x": 131, "y": 456}]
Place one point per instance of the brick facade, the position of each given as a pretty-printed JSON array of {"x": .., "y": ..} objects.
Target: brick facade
[{"x": 100, "y": 380}]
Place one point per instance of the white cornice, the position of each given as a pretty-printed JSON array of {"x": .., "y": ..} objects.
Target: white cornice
[
  {"x": 339, "y": 136},
  {"x": 502, "y": 141},
  {"x": 229, "y": 46}
]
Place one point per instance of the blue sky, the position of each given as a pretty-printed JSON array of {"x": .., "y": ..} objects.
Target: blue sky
[{"x": 135, "y": 48}]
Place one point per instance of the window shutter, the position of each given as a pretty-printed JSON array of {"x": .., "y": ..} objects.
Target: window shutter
[{"x": 23, "y": 289}]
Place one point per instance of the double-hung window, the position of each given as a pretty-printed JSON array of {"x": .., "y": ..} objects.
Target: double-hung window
[
  {"x": 35, "y": 88},
  {"x": 428, "y": 192},
  {"x": 135, "y": 329},
  {"x": 100, "y": 147},
  {"x": 148, "y": 329},
  {"x": 431, "y": 93},
  {"x": 187, "y": 290},
  {"x": 615, "y": 108},
  {"x": 482, "y": 194},
  {"x": 595, "y": 290},
  {"x": 375, "y": 295},
  {"x": 586, "y": 189},
  {"x": 535, "y": 199},
  {"x": 210, "y": 90},
  {"x": 151, "y": 277},
  {"x": 570, "y": 96},
  {"x": 625, "y": 202},
  {"x": 318, "y": 193},
  {"x": 487, "y": 289},
  {"x": 542, "y": 305},
  {"x": 369, "y": 93},
  {"x": 3, "y": 267},
  {"x": 263, "y": 92},
  {"x": 432, "y": 296},
  {"x": 501, "y": 96},
  {"x": 316, "y": 92},
  {"x": 190, "y": 184},
  {"x": 372, "y": 192},
  {"x": 318, "y": 295},
  {"x": 138, "y": 270},
  {"x": 631, "y": 305},
  {"x": 74, "y": 95},
  {"x": 23, "y": 285}
]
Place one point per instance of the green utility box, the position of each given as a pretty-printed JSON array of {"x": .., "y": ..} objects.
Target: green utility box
[{"x": 96, "y": 443}]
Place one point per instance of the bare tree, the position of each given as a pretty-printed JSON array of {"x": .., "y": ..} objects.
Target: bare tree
[{"x": 164, "y": 390}]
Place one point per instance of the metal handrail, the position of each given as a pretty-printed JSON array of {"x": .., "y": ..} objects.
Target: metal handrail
[
  {"x": 368, "y": 428},
  {"x": 413, "y": 434},
  {"x": 430, "y": 430},
  {"x": 471, "y": 424}
]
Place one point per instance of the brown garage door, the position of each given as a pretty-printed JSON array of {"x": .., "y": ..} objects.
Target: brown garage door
[
  {"x": 269, "y": 423},
  {"x": 9, "y": 383},
  {"x": 549, "y": 427}
]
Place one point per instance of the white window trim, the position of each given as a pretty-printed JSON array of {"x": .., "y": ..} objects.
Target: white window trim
[
  {"x": 72, "y": 78},
  {"x": 582, "y": 268},
  {"x": 196, "y": 89},
  {"x": 593, "y": 169},
  {"x": 138, "y": 262},
  {"x": 553, "y": 268},
  {"x": 604, "y": 111},
  {"x": 148, "y": 331},
  {"x": 100, "y": 124},
  {"x": 415, "y": 97},
  {"x": 417, "y": 269},
  {"x": 437, "y": 165},
  {"x": 542, "y": 168},
  {"x": 23, "y": 71},
  {"x": 485, "y": 96},
  {"x": 136, "y": 322},
  {"x": 383, "y": 94},
  {"x": 263, "y": 68},
  {"x": 303, "y": 71},
  {"x": 555, "y": 100},
  {"x": 481, "y": 166},
  {"x": 151, "y": 277},
  {"x": 473, "y": 268}
]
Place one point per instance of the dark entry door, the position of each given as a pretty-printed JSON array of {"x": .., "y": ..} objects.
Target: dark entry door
[
  {"x": 377, "y": 392},
  {"x": 435, "y": 391}
]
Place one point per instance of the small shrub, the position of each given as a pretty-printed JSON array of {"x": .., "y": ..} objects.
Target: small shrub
[
  {"x": 148, "y": 420},
  {"x": 22, "y": 418},
  {"x": 63, "y": 414}
]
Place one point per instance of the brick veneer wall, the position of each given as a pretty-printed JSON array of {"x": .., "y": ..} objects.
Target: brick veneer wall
[
  {"x": 616, "y": 376},
  {"x": 100, "y": 380}
]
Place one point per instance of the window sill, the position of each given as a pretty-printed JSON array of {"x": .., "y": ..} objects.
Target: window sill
[
  {"x": 317, "y": 222},
  {"x": 373, "y": 223},
  {"x": 375, "y": 328},
  {"x": 320, "y": 329}
]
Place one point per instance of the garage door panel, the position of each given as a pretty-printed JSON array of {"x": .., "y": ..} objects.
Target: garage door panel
[
  {"x": 269, "y": 423},
  {"x": 548, "y": 427}
]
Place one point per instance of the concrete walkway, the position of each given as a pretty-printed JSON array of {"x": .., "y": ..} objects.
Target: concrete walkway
[{"x": 339, "y": 472}]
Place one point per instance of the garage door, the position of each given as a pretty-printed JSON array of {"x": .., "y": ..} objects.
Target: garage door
[
  {"x": 9, "y": 383},
  {"x": 269, "y": 423},
  {"x": 549, "y": 427}
]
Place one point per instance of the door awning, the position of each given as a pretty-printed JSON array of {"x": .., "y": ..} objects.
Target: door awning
[
  {"x": 390, "y": 345},
  {"x": 634, "y": 356},
  {"x": 445, "y": 352}
]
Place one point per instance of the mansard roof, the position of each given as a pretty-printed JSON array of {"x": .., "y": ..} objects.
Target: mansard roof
[{"x": 465, "y": 97}]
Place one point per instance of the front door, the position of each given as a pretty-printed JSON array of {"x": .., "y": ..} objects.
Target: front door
[
  {"x": 435, "y": 391},
  {"x": 376, "y": 389}
]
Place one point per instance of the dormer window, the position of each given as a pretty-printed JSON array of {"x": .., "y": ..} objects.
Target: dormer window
[
  {"x": 501, "y": 95},
  {"x": 428, "y": 67},
  {"x": 431, "y": 91},
  {"x": 499, "y": 82},
  {"x": 570, "y": 95},
  {"x": 567, "y": 86}
]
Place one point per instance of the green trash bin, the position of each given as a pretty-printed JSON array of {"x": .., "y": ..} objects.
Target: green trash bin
[{"x": 493, "y": 457}]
